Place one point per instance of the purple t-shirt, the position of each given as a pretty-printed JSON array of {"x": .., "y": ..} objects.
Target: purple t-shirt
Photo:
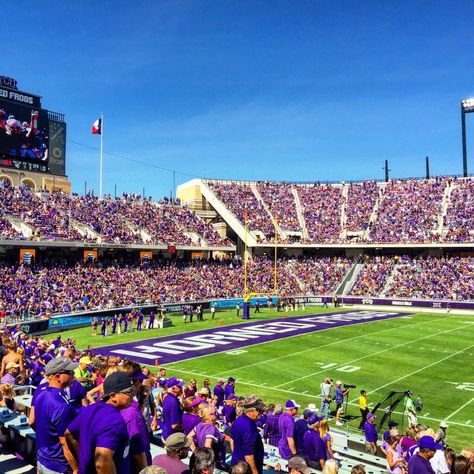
[
  {"x": 419, "y": 465},
  {"x": 75, "y": 394},
  {"x": 172, "y": 415},
  {"x": 101, "y": 426},
  {"x": 314, "y": 447},
  {"x": 247, "y": 441},
  {"x": 189, "y": 422},
  {"x": 52, "y": 416},
  {"x": 219, "y": 393},
  {"x": 229, "y": 414},
  {"x": 229, "y": 390},
  {"x": 137, "y": 430},
  {"x": 207, "y": 431},
  {"x": 370, "y": 432},
  {"x": 286, "y": 425},
  {"x": 170, "y": 465}
]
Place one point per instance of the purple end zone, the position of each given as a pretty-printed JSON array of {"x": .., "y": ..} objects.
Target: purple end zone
[{"x": 179, "y": 347}]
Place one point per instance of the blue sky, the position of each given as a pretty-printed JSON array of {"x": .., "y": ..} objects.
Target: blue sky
[{"x": 280, "y": 90}]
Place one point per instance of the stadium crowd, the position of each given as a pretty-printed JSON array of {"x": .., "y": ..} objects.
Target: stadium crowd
[
  {"x": 101, "y": 414},
  {"x": 409, "y": 211},
  {"x": 63, "y": 286},
  {"x": 128, "y": 219}
]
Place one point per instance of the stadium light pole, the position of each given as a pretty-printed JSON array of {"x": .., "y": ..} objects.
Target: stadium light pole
[
  {"x": 467, "y": 107},
  {"x": 276, "y": 254},
  {"x": 427, "y": 167}
]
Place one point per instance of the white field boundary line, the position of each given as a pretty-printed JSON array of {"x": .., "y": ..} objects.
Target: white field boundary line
[
  {"x": 419, "y": 370},
  {"x": 459, "y": 409},
  {"x": 368, "y": 356},
  {"x": 339, "y": 341},
  {"x": 309, "y": 396},
  {"x": 301, "y": 335}
]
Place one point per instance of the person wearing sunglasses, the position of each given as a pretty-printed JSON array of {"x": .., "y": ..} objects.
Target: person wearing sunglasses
[
  {"x": 248, "y": 444},
  {"x": 98, "y": 438},
  {"x": 53, "y": 415}
]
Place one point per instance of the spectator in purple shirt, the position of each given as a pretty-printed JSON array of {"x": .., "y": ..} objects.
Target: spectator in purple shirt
[
  {"x": 140, "y": 455},
  {"x": 420, "y": 462},
  {"x": 248, "y": 445},
  {"x": 53, "y": 416},
  {"x": 190, "y": 418},
  {"x": 314, "y": 447},
  {"x": 206, "y": 435},
  {"x": 172, "y": 409},
  {"x": 286, "y": 423},
  {"x": 219, "y": 393},
  {"x": 229, "y": 389},
  {"x": 271, "y": 430},
  {"x": 301, "y": 427},
  {"x": 177, "y": 447},
  {"x": 98, "y": 439},
  {"x": 370, "y": 434}
]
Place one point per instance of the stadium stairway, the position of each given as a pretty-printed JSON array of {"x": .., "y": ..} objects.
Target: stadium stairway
[
  {"x": 228, "y": 216},
  {"x": 260, "y": 199},
  {"x": 299, "y": 212},
  {"x": 349, "y": 279}
]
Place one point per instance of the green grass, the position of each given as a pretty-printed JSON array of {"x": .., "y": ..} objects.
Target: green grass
[{"x": 432, "y": 354}]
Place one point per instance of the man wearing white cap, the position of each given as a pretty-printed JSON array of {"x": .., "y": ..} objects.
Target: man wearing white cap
[{"x": 286, "y": 424}]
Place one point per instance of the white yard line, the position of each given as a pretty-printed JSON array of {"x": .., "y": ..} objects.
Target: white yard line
[
  {"x": 419, "y": 370},
  {"x": 459, "y": 409},
  {"x": 371, "y": 355},
  {"x": 339, "y": 341},
  {"x": 465, "y": 425}
]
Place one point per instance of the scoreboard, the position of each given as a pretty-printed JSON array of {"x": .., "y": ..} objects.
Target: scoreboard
[{"x": 31, "y": 138}]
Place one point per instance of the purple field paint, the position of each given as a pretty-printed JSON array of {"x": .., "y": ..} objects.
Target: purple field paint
[{"x": 188, "y": 345}]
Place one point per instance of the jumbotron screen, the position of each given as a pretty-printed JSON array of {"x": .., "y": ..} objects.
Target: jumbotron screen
[{"x": 24, "y": 136}]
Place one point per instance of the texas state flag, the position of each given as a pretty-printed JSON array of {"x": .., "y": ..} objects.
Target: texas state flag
[{"x": 97, "y": 127}]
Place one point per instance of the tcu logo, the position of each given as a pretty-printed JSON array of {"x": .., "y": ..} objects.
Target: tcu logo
[
  {"x": 25, "y": 328},
  {"x": 8, "y": 82},
  {"x": 367, "y": 302}
]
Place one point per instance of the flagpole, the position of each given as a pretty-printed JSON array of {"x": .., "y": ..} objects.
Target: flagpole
[{"x": 101, "y": 153}]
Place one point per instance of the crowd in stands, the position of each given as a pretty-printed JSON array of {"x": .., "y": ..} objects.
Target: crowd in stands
[
  {"x": 320, "y": 276},
  {"x": 459, "y": 218},
  {"x": 400, "y": 211},
  {"x": 239, "y": 198},
  {"x": 442, "y": 278},
  {"x": 373, "y": 276},
  {"x": 125, "y": 220},
  {"x": 361, "y": 199},
  {"x": 93, "y": 413},
  {"x": 409, "y": 211},
  {"x": 281, "y": 203},
  {"x": 434, "y": 278},
  {"x": 321, "y": 206}
]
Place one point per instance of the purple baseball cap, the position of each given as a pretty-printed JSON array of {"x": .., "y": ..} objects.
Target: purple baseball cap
[
  {"x": 291, "y": 404},
  {"x": 232, "y": 396},
  {"x": 312, "y": 419},
  {"x": 139, "y": 375},
  {"x": 371, "y": 416},
  {"x": 427, "y": 442},
  {"x": 231, "y": 379},
  {"x": 196, "y": 401},
  {"x": 174, "y": 382}
]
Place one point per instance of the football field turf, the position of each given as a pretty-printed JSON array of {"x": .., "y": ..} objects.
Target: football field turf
[{"x": 431, "y": 354}]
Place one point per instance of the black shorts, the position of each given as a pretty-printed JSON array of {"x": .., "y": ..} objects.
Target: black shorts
[{"x": 339, "y": 406}]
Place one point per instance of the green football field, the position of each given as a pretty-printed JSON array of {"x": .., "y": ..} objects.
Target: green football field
[{"x": 431, "y": 354}]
